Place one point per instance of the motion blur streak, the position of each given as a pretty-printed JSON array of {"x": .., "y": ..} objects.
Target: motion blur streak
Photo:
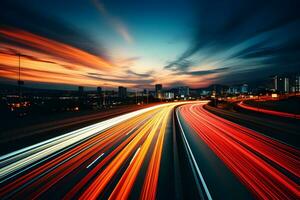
[
  {"x": 22, "y": 158},
  {"x": 150, "y": 183},
  {"x": 267, "y": 167},
  {"x": 103, "y": 159},
  {"x": 144, "y": 138},
  {"x": 270, "y": 112}
]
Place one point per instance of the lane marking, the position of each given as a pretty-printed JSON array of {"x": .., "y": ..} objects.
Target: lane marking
[
  {"x": 193, "y": 159},
  {"x": 137, "y": 151},
  {"x": 95, "y": 160}
]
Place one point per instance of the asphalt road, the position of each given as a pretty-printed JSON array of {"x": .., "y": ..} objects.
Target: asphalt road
[
  {"x": 266, "y": 167},
  {"x": 169, "y": 151}
]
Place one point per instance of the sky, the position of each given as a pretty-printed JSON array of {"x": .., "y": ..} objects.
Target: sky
[{"x": 139, "y": 43}]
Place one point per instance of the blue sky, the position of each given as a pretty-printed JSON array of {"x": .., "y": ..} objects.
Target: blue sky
[{"x": 194, "y": 43}]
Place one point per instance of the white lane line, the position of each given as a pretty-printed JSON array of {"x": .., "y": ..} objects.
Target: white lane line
[
  {"x": 137, "y": 151},
  {"x": 193, "y": 160},
  {"x": 95, "y": 160}
]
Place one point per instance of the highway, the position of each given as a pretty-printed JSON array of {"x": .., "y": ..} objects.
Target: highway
[
  {"x": 168, "y": 151},
  {"x": 267, "y": 167}
]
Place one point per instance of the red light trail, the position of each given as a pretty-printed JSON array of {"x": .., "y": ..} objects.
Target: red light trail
[
  {"x": 264, "y": 165},
  {"x": 270, "y": 112}
]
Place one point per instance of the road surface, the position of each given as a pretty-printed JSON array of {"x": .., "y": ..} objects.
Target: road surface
[{"x": 169, "y": 151}]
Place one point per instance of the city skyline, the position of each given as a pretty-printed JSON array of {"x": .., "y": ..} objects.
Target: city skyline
[{"x": 138, "y": 44}]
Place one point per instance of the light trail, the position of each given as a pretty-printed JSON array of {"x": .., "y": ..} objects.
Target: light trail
[
  {"x": 267, "y": 167},
  {"x": 95, "y": 160},
  {"x": 269, "y": 112},
  {"x": 34, "y": 170},
  {"x": 22, "y": 158},
  {"x": 124, "y": 186},
  {"x": 111, "y": 159},
  {"x": 151, "y": 179},
  {"x": 59, "y": 167}
]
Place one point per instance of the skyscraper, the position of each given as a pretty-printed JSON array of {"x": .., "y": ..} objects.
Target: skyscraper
[
  {"x": 80, "y": 89},
  {"x": 283, "y": 84},
  {"x": 158, "y": 91},
  {"x": 122, "y": 93},
  {"x": 99, "y": 90}
]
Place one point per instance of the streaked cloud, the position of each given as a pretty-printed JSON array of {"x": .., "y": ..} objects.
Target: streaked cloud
[
  {"x": 113, "y": 21},
  {"x": 48, "y": 61}
]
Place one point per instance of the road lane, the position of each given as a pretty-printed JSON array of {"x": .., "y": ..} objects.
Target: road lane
[
  {"x": 147, "y": 154},
  {"x": 104, "y": 159},
  {"x": 268, "y": 168}
]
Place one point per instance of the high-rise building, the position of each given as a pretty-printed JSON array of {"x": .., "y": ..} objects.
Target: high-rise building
[
  {"x": 99, "y": 90},
  {"x": 244, "y": 88},
  {"x": 297, "y": 83},
  {"x": 275, "y": 83},
  {"x": 158, "y": 91},
  {"x": 282, "y": 84},
  {"x": 122, "y": 93},
  {"x": 80, "y": 89},
  {"x": 286, "y": 85}
]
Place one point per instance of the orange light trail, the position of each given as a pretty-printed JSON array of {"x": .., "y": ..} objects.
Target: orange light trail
[{"x": 101, "y": 156}]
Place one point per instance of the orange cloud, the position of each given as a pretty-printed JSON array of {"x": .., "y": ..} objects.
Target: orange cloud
[
  {"x": 54, "y": 48},
  {"x": 48, "y": 61}
]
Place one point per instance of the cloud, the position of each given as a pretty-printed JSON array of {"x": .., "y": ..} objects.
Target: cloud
[
  {"x": 207, "y": 72},
  {"x": 117, "y": 24},
  {"x": 120, "y": 80},
  {"x": 140, "y": 75},
  {"x": 47, "y": 61},
  {"x": 18, "y": 15},
  {"x": 242, "y": 36},
  {"x": 54, "y": 48}
]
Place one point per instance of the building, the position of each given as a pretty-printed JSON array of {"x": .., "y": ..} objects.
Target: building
[
  {"x": 169, "y": 95},
  {"x": 286, "y": 85},
  {"x": 244, "y": 88},
  {"x": 80, "y": 89},
  {"x": 275, "y": 83},
  {"x": 233, "y": 90},
  {"x": 158, "y": 91},
  {"x": 295, "y": 84},
  {"x": 99, "y": 90},
  {"x": 122, "y": 92},
  {"x": 281, "y": 84},
  {"x": 184, "y": 91}
]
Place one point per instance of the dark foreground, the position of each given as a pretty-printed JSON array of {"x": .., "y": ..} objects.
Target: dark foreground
[{"x": 172, "y": 151}]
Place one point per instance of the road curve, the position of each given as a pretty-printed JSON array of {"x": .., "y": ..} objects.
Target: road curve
[
  {"x": 268, "y": 168},
  {"x": 168, "y": 151}
]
